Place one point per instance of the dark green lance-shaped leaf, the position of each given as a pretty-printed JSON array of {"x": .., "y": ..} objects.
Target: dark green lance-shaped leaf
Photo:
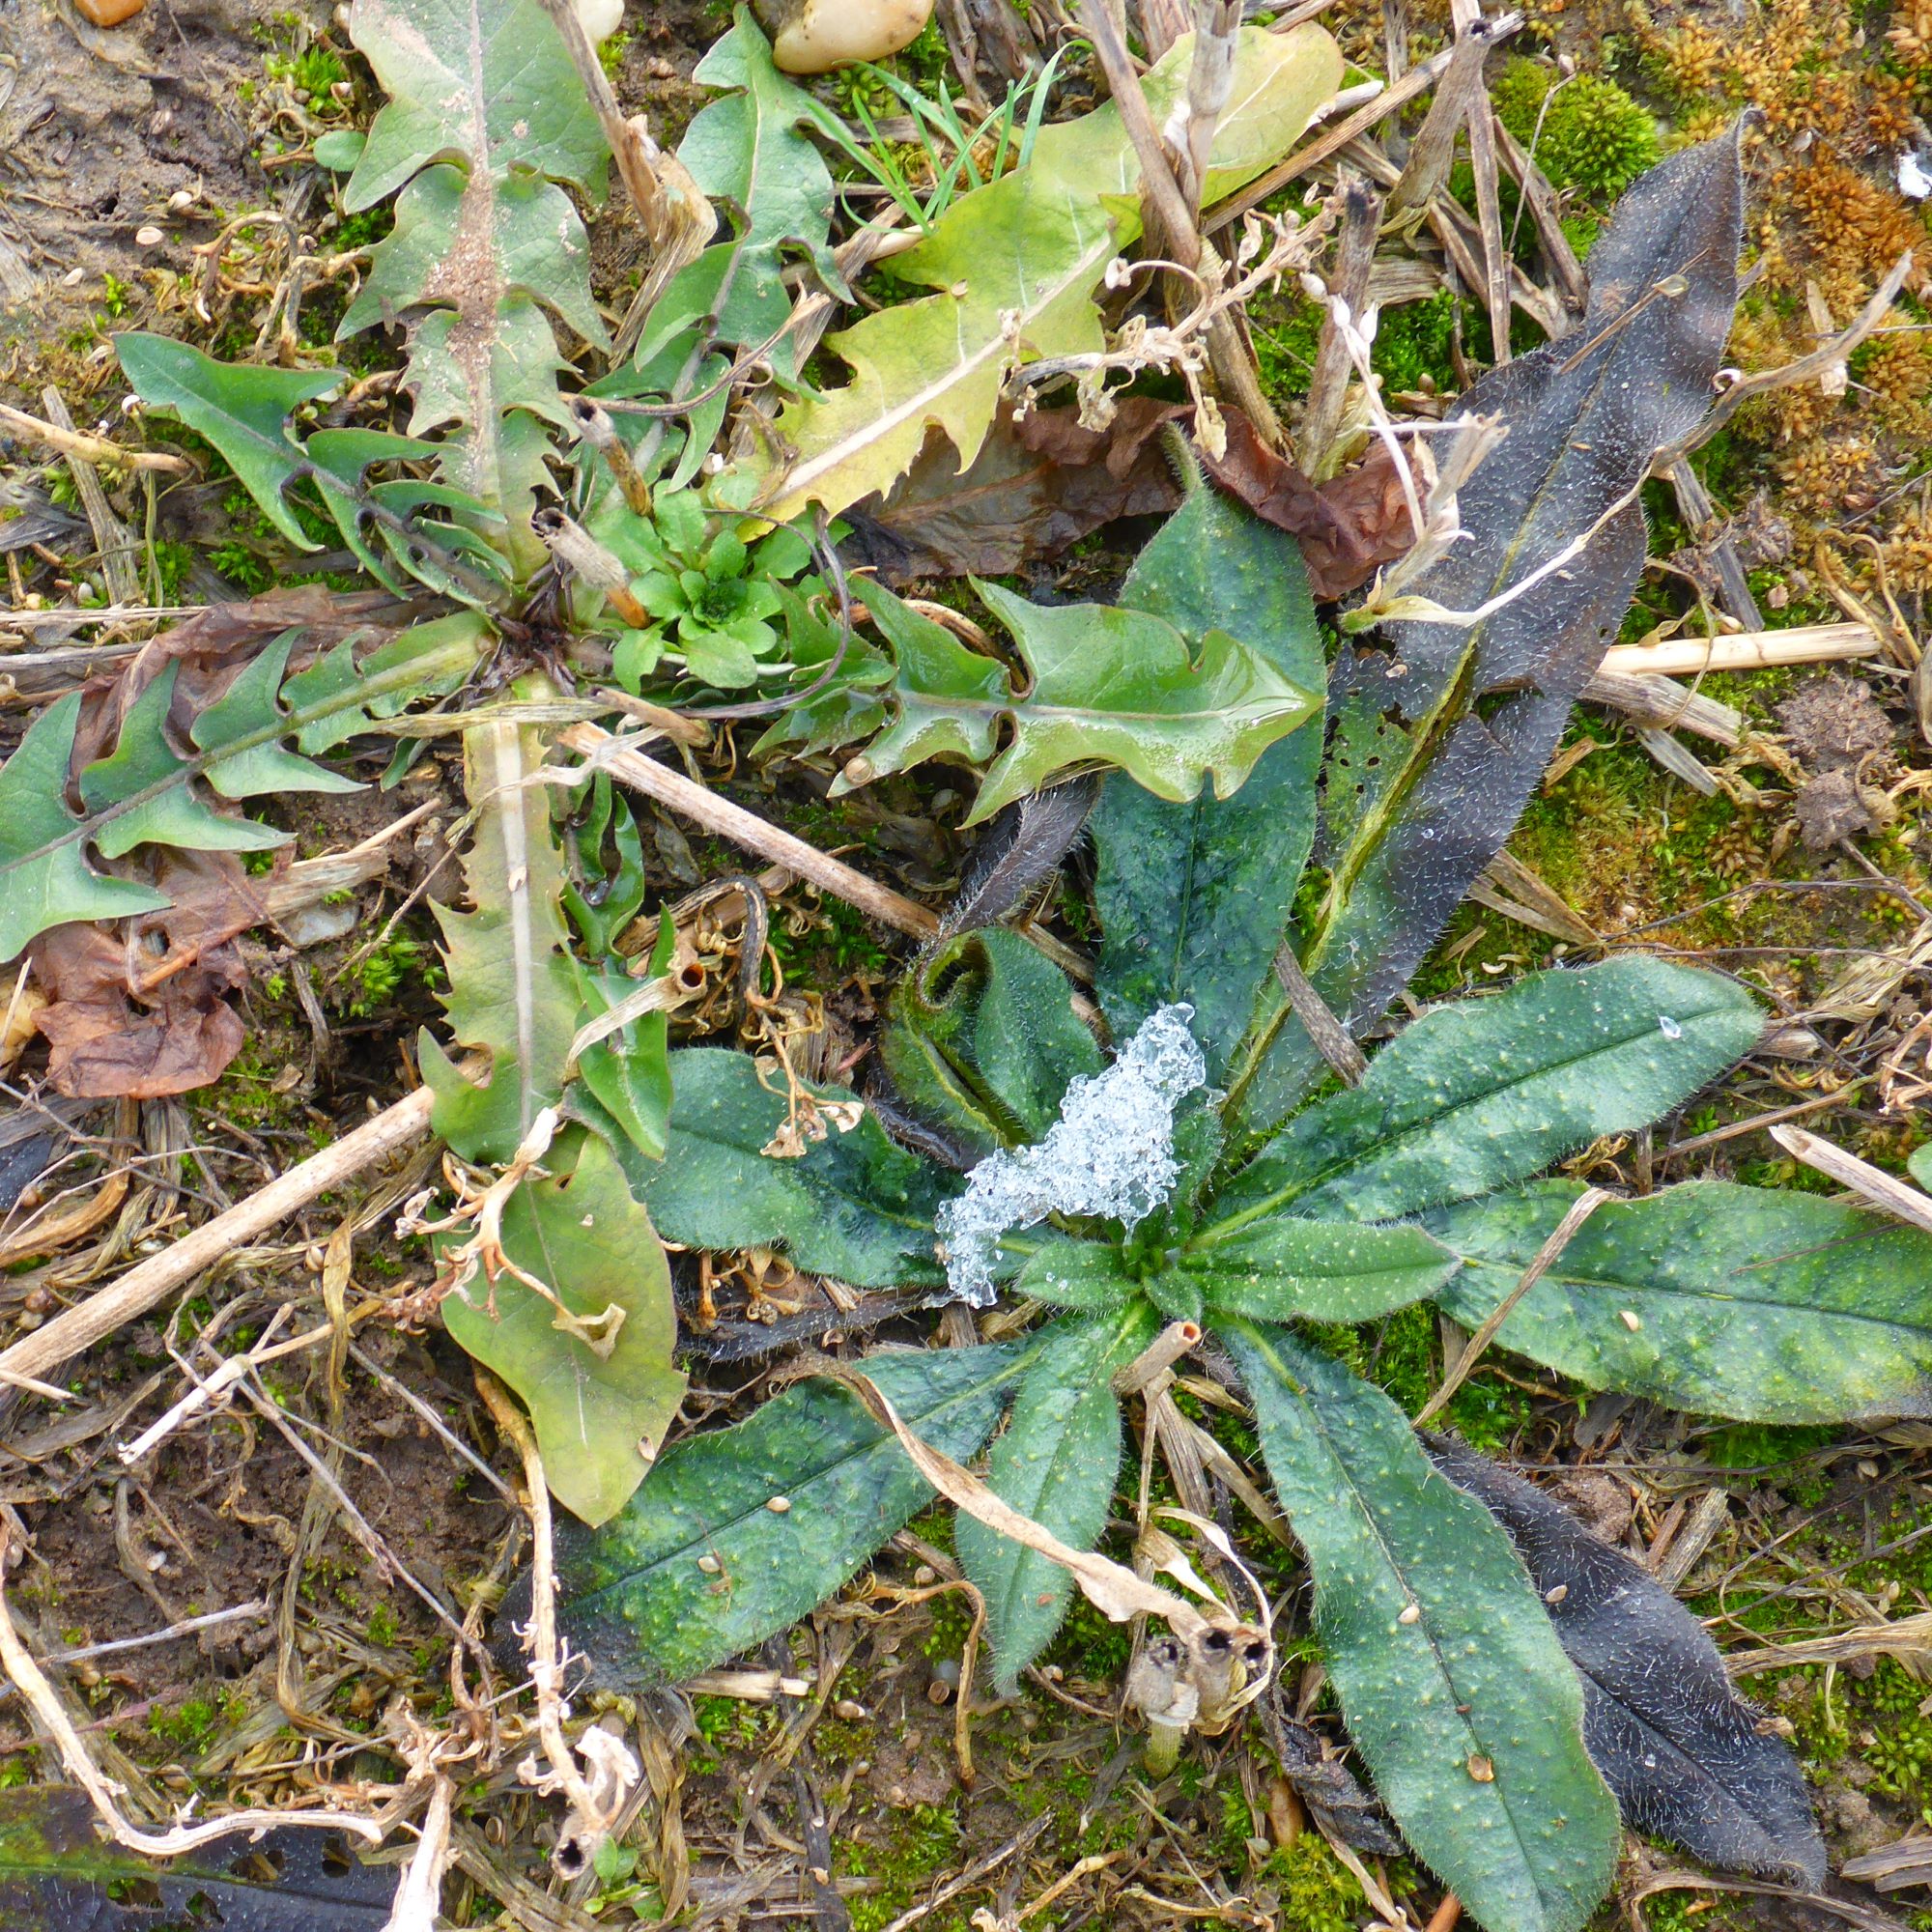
[
  {"x": 43, "y": 867},
  {"x": 1283, "y": 1268},
  {"x": 1076, "y": 1274},
  {"x": 513, "y": 988},
  {"x": 143, "y": 790},
  {"x": 57, "y": 1875},
  {"x": 241, "y": 408},
  {"x": 1193, "y": 898},
  {"x": 742, "y": 1531},
  {"x": 1466, "y": 714},
  {"x": 852, "y": 1205},
  {"x": 1687, "y": 1758},
  {"x": 1740, "y": 1301},
  {"x": 982, "y": 1040},
  {"x": 1454, "y": 1686},
  {"x": 1056, "y": 1463},
  {"x": 1481, "y": 1093},
  {"x": 598, "y": 1418}
]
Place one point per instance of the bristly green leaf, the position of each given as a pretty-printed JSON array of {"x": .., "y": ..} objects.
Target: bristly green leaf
[
  {"x": 1023, "y": 256},
  {"x": 1193, "y": 898},
  {"x": 513, "y": 988},
  {"x": 1056, "y": 1463},
  {"x": 241, "y": 408},
  {"x": 1109, "y": 686},
  {"x": 1481, "y": 1093},
  {"x": 1282, "y": 1269},
  {"x": 742, "y": 1531},
  {"x": 1453, "y": 1684},
  {"x": 982, "y": 1040},
  {"x": 852, "y": 1206},
  {"x": 1065, "y": 1273},
  {"x": 1738, "y": 1301},
  {"x": 598, "y": 1419},
  {"x": 143, "y": 790}
]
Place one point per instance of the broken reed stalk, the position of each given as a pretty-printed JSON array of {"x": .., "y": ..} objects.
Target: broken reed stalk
[
  {"x": 1581, "y": 1208},
  {"x": 1667, "y": 706},
  {"x": 1354, "y": 262},
  {"x": 1872, "y": 1184},
  {"x": 1481, "y": 125},
  {"x": 1174, "y": 226},
  {"x": 87, "y": 448},
  {"x": 1332, "y": 1040},
  {"x": 1685, "y": 657},
  {"x": 747, "y": 830},
  {"x": 31, "y": 1681},
  {"x": 151, "y": 1282}
]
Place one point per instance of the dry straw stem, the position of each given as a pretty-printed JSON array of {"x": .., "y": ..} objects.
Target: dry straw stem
[
  {"x": 1581, "y": 1208},
  {"x": 541, "y": 1639},
  {"x": 1112, "y": 1588},
  {"x": 1667, "y": 706},
  {"x": 31, "y": 1682},
  {"x": 744, "y": 828},
  {"x": 1749, "y": 650},
  {"x": 1818, "y": 363},
  {"x": 1332, "y": 140},
  {"x": 151, "y": 1282},
  {"x": 1876, "y": 1186},
  {"x": 86, "y": 449}
]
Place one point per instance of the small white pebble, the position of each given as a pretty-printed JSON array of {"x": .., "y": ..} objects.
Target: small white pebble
[
  {"x": 1630, "y": 1319},
  {"x": 778, "y": 1505},
  {"x": 149, "y": 237}
]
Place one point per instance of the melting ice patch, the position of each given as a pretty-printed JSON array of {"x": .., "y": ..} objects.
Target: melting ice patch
[{"x": 1111, "y": 1153}]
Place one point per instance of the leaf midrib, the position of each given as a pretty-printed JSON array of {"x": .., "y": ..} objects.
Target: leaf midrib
[
  {"x": 352, "y": 698},
  {"x": 1425, "y": 1622},
  {"x": 1343, "y": 1166},
  {"x": 711, "y": 1533}
]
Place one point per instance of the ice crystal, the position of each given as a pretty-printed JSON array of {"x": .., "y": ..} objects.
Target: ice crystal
[{"x": 1110, "y": 1153}]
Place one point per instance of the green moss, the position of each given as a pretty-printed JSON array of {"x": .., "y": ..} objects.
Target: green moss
[
  {"x": 1594, "y": 137},
  {"x": 1413, "y": 340},
  {"x": 1318, "y": 1891}
]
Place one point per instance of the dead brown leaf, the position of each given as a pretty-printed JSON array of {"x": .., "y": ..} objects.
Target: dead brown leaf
[
  {"x": 1348, "y": 527},
  {"x": 212, "y": 649},
  {"x": 1034, "y": 490},
  {"x": 136, "y": 1009}
]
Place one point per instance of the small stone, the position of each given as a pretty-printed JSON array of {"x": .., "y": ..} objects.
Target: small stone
[
  {"x": 778, "y": 1505},
  {"x": 149, "y": 237},
  {"x": 847, "y": 1712},
  {"x": 710, "y": 1565},
  {"x": 1556, "y": 1595},
  {"x": 1629, "y": 1318},
  {"x": 1412, "y": 1615}
]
